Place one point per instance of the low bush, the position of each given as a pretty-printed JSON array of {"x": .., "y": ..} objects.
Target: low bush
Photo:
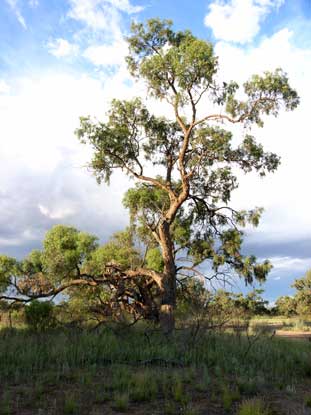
[{"x": 39, "y": 315}]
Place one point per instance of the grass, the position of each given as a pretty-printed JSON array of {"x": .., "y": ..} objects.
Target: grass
[
  {"x": 144, "y": 386},
  {"x": 254, "y": 407},
  {"x": 24, "y": 354},
  {"x": 295, "y": 323},
  {"x": 127, "y": 370},
  {"x": 121, "y": 402}
]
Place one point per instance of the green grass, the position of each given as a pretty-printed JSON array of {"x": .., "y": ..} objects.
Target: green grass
[
  {"x": 126, "y": 370},
  {"x": 121, "y": 402},
  {"x": 144, "y": 386},
  {"x": 296, "y": 323},
  {"x": 254, "y": 407},
  {"x": 24, "y": 354}
]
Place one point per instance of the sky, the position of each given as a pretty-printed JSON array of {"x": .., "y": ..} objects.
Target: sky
[{"x": 61, "y": 59}]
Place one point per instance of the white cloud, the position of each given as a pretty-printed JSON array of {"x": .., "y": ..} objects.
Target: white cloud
[
  {"x": 43, "y": 170},
  {"x": 101, "y": 14},
  {"x": 290, "y": 263},
  {"x": 16, "y": 10},
  {"x": 57, "y": 213},
  {"x": 124, "y": 6},
  {"x": 238, "y": 20},
  {"x": 111, "y": 54},
  {"x": 283, "y": 194},
  {"x": 38, "y": 121},
  {"x": 101, "y": 19},
  {"x": 62, "y": 48}
]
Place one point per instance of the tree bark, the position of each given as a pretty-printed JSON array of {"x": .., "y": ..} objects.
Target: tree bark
[{"x": 168, "y": 298}]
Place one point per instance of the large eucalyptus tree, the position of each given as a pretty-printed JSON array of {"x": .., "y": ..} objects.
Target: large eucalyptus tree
[
  {"x": 182, "y": 208},
  {"x": 180, "y": 211}
]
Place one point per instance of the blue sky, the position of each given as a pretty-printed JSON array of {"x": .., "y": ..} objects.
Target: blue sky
[{"x": 60, "y": 59}]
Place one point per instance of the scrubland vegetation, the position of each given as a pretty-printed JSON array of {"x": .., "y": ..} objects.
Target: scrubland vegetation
[{"x": 221, "y": 359}]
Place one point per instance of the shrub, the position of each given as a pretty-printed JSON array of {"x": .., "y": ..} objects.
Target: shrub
[{"x": 39, "y": 315}]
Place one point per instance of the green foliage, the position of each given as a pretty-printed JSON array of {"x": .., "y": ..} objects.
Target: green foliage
[
  {"x": 119, "y": 250},
  {"x": 286, "y": 306},
  {"x": 302, "y": 297},
  {"x": 8, "y": 268},
  {"x": 39, "y": 315},
  {"x": 300, "y": 302},
  {"x": 158, "y": 55},
  {"x": 154, "y": 259},
  {"x": 64, "y": 249}
]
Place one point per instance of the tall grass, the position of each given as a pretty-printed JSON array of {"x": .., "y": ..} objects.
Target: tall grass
[{"x": 24, "y": 354}]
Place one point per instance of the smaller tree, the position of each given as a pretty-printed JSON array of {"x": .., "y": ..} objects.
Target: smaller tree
[
  {"x": 252, "y": 302},
  {"x": 286, "y": 306},
  {"x": 107, "y": 279}
]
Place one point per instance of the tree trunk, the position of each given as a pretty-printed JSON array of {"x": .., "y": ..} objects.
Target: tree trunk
[{"x": 168, "y": 300}]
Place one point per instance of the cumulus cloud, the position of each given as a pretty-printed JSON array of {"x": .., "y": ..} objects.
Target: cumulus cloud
[
  {"x": 102, "y": 29},
  {"x": 43, "y": 175},
  {"x": 107, "y": 54},
  {"x": 238, "y": 20},
  {"x": 62, "y": 48},
  {"x": 101, "y": 14},
  {"x": 283, "y": 194}
]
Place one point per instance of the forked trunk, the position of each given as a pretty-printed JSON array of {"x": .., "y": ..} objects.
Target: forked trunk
[{"x": 168, "y": 300}]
